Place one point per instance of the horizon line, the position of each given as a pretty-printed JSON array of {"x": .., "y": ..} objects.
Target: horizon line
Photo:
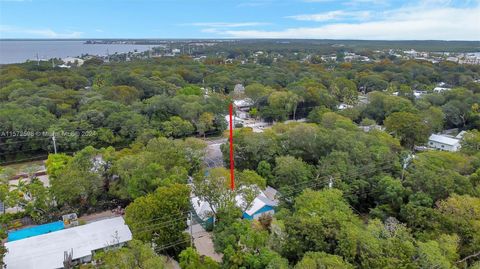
[{"x": 225, "y": 38}]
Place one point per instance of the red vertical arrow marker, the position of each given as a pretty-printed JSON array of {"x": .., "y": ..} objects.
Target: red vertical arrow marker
[{"x": 232, "y": 164}]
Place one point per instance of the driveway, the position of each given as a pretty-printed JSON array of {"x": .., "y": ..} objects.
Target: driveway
[
  {"x": 213, "y": 156},
  {"x": 203, "y": 243}
]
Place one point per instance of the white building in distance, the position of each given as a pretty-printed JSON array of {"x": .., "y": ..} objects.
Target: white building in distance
[{"x": 443, "y": 142}]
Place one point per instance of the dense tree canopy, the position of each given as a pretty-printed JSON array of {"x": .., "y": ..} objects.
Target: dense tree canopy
[{"x": 354, "y": 191}]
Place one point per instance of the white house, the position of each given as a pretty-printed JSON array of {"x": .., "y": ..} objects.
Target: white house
[
  {"x": 441, "y": 89},
  {"x": 418, "y": 94},
  {"x": 443, "y": 142},
  {"x": 264, "y": 203},
  {"x": 46, "y": 251},
  {"x": 242, "y": 107},
  {"x": 239, "y": 89},
  {"x": 343, "y": 106},
  {"x": 243, "y": 104},
  {"x": 73, "y": 60}
]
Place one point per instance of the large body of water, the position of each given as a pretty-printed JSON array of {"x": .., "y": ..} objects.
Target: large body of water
[{"x": 21, "y": 51}]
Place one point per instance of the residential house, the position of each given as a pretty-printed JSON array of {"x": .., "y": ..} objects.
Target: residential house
[
  {"x": 264, "y": 203},
  {"x": 418, "y": 94},
  {"x": 242, "y": 107},
  {"x": 443, "y": 142},
  {"x": 440, "y": 89},
  {"x": 46, "y": 251},
  {"x": 73, "y": 61},
  {"x": 343, "y": 106},
  {"x": 261, "y": 205},
  {"x": 239, "y": 89}
]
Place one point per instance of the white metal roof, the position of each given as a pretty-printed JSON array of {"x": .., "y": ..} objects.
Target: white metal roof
[
  {"x": 441, "y": 89},
  {"x": 243, "y": 102},
  {"x": 260, "y": 201},
  {"x": 460, "y": 135},
  {"x": 203, "y": 210},
  {"x": 47, "y": 250},
  {"x": 443, "y": 139}
]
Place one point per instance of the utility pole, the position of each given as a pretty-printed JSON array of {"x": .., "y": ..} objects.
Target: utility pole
[
  {"x": 191, "y": 228},
  {"x": 38, "y": 60},
  {"x": 232, "y": 165},
  {"x": 405, "y": 164},
  {"x": 54, "y": 143}
]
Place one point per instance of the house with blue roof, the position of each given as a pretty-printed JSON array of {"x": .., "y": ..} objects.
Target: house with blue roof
[{"x": 264, "y": 203}]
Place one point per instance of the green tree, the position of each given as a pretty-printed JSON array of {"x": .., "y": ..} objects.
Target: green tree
[
  {"x": 190, "y": 259},
  {"x": 161, "y": 218},
  {"x": 322, "y": 260},
  {"x": 390, "y": 191},
  {"x": 56, "y": 163},
  {"x": 79, "y": 183},
  {"x": 344, "y": 90},
  {"x": 290, "y": 171},
  {"x": 205, "y": 123},
  {"x": 123, "y": 94},
  {"x": 461, "y": 215},
  {"x": 431, "y": 255},
  {"x": 177, "y": 127},
  {"x": 409, "y": 128},
  {"x": 136, "y": 255},
  {"x": 283, "y": 104},
  {"x": 244, "y": 246},
  {"x": 434, "y": 118},
  {"x": 190, "y": 90},
  {"x": 322, "y": 221},
  {"x": 161, "y": 162},
  {"x": 439, "y": 174},
  {"x": 255, "y": 91},
  {"x": 471, "y": 142}
]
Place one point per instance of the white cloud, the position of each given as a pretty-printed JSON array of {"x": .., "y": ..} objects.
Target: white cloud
[
  {"x": 332, "y": 15},
  {"x": 225, "y": 24},
  {"x": 317, "y": 1},
  {"x": 256, "y": 3},
  {"x": 366, "y": 2},
  {"x": 32, "y": 33},
  {"x": 412, "y": 23},
  {"x": 211, "y": 31}
]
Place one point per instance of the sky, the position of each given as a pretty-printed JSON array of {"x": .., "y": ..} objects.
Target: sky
[{"x": 311, "y": 19}]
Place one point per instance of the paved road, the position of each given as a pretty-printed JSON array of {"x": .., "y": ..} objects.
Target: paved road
[
  {"x": 201, "y": 238},
  {"x": 213, "y": 156},
  {"x": 203, "y": 243}
]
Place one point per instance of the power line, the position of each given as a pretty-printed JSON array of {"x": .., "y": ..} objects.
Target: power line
[{"x": 164, "y": 224}]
